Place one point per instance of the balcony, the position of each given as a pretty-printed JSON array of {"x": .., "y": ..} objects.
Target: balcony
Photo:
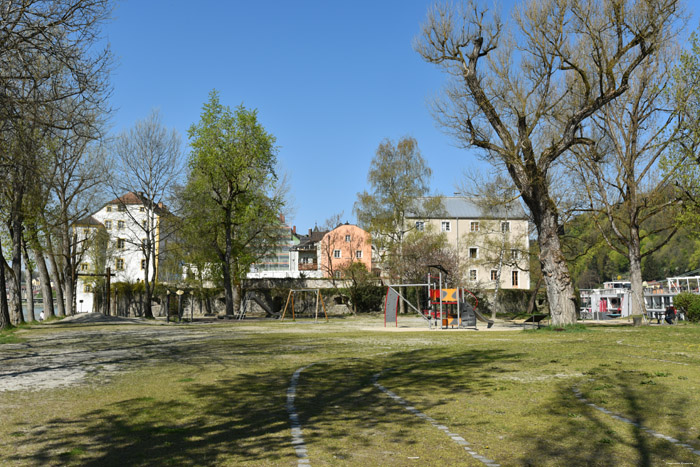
[{"x": 308, "y": 266}]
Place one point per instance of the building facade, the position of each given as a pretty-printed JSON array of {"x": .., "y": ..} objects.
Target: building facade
[
  {"x": 125, "y": 223},
  {"x": 492, "y": 243}
]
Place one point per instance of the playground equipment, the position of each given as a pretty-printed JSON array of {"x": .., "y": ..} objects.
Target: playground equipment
[
  {"x": 445, "y": 308},
  {"x": 319, "y": 298},
  {"x": 245, "y": 306}
]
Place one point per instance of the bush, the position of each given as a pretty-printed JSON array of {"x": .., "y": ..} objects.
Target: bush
[{"x": 688, "y": 303}]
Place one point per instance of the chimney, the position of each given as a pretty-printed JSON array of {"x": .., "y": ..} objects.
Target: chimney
[
  {"x": 294, "y": 229},
  {"x": 282, "y": 218}
]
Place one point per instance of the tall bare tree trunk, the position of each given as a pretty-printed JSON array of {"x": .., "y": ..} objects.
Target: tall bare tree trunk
[
  {"x": 4, "y": 309},
  {"x": 637, "y": 305},
  {"x": 60, "y": 304},
  {"x": 30, "y": 290},
  {"x": 45, "y": 279},
  {"x": 16, "y": 300},
  {"x": 560, "y": 288}
]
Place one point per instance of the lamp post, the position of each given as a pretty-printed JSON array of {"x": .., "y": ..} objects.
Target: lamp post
[
  {"x": 81, "y": 305},
  {"x": 179, "y": 303},
  {"x": 167, "y": 305}
]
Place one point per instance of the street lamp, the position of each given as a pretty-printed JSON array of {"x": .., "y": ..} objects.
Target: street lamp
[
  {"x": 179, "y": 303},
  {"x": 81, "y": 305},
  {"x": 167, "y": 305}
]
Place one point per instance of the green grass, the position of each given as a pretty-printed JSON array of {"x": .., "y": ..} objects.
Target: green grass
[{"x": 218, "y": 396}]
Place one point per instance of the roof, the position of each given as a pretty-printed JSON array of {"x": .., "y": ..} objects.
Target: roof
[
  {"x": 459, "y": 207},
  {"x": 138, "y": 198},
  {"x": 307, "y": 242},
  {"x": 89, "y": 221}
]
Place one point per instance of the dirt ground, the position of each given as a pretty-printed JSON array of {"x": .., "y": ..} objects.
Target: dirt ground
[{"x": 82, "y": 347}]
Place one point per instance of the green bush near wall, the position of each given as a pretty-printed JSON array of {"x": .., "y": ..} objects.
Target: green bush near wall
[{"x": 690, "y": 304}]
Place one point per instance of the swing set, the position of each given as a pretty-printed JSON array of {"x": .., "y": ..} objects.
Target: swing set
[{"x": 319, "y": 298}]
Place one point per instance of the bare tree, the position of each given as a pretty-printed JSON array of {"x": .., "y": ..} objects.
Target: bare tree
[
  {"x": 52, "y": 78},
  {"x": 527, "y": 109},
  {"x": 622, "y": 185},
  {"x": 149, "y": 163}
]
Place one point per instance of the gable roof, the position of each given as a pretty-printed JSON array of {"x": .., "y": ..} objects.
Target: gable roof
[
  {"x": 459, "y": 207},
  {"x": 88, "y": 221},
  {"x": 138, "y": 198}
]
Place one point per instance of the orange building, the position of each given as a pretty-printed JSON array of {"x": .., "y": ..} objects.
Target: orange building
[{"x": 342, "y": 246}]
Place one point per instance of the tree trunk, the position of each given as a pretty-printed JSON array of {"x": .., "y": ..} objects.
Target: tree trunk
[
  {"x": 533, "y": 297},
  {"x": 557, "y": 279},
  {"x": 61, "y": 311},
  {"x": 46, "y": 291},
  {"x": 148, "y": 289},
  {"x": 69, "y": 270},
  {"x": 4, "y": 309},
  {"x": 30, "y": 290},
  {"x": 16, "y": 299},
  {"x": 637, "y": 305}
]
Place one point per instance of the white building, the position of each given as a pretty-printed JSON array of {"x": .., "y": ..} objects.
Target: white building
[
  {"x": 127, "y": 222},
  {"x": 488, "y": 240}
]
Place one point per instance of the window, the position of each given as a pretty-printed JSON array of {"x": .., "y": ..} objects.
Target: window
[
  {"x": 109, "y": 208},
  {"x": 86, "y": 232},
  {"x": 474, "y": 226},
  {"x": 336, "y": 253},
  {"x": 514, "y": 254},
  {"x": 505, "y": 226},
  {"x": 121, "y": 208},
  {"x": 144, "y": 224},
  {"x": 445, "y": 226},
  {"x": 472, "y": 275},
  {"x": 515, "y": 278},
  {"x": 494, "y": 275},
  {"x": 420, "y": 226},
  {"x": 336, "y": 274},
  {"x": 306, "y": 260},
  {"x": 108, "y": 225},
  {"x": 120, "y": 243},
  {"x": 143, "y": 264},
  {"x": 142, "y": 209},
  {"x": 120, "y": 264},
  {"x": 120, "y": 225},
  {"x": 473, "y": 253},
  {"x": 87, "y": 288},
  {"x": 348, "y": 238},
  {"x": 143, "y": 243},
  {"x": 358, "y": 254},
  {"x": 84, "y": 267}
]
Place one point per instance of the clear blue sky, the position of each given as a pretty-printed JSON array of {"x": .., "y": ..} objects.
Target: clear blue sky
[{"x": 330, "y": 80}]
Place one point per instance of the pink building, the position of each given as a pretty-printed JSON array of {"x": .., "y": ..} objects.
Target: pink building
[{"x": 342, "y": 246}]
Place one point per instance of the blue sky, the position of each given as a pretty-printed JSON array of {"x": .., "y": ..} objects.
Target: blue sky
[{"x": 330, "y": 80}]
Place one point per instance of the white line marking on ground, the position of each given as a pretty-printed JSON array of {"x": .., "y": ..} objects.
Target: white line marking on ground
[
  {"x": 653, "y": 433},
  {"x": 297, "y": 433},
  {"x": 455, "y": 437}
]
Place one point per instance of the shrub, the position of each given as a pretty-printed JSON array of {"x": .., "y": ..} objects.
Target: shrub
[{"x": 690, "y": 304}]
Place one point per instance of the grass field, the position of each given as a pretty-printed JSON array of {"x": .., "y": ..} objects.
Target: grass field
[{"x": 230, "y": 394}]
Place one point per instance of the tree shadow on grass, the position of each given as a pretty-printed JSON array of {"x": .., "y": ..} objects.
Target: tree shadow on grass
[
  {"x": 580, "y": 434},
  {"x": 243, "y": 417}
]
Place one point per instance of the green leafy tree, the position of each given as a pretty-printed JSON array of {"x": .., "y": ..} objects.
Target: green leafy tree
[
  {"x": 232, "y": 198},
  {"x": 398, "y": 176}
]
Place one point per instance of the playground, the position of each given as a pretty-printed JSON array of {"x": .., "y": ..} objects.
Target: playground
[{"x": 348, "y": 391}]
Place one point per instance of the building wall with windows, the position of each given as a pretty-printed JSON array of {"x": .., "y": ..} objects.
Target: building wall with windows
[
  {"x": 342, "y": 246},
  {"x": 126, "y": 221},
  {"x": 484, "y": 239}
]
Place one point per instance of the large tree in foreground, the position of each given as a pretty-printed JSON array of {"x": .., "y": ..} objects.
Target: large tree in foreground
[
  {"x": 523, "y": 92},
  {"x": 232, "y": 198}
]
